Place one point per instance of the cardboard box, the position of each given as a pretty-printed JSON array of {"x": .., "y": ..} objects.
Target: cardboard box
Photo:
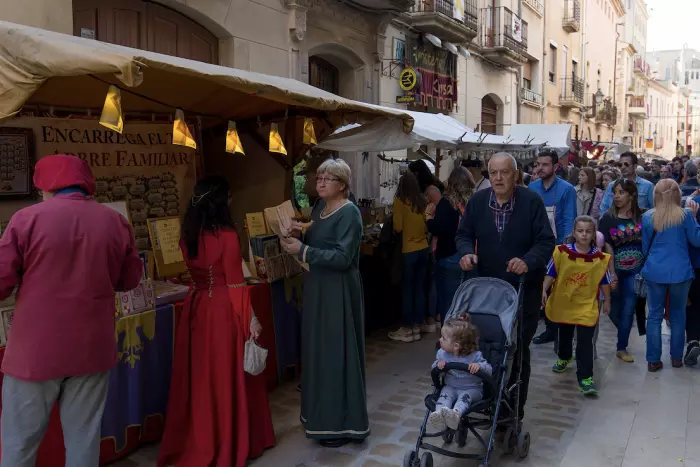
[{"x": 141, "y": 299}]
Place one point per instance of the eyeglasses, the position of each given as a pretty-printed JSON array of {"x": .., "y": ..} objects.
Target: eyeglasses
[
  {"x": 624, "y": 164},
  {"x": 323, "y": 180}
]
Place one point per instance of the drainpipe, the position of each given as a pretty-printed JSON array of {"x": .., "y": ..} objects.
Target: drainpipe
[
  {"x": 543, "y": 116},
  {"x": 519, "y": 72},
  {"x": 614, "y": 96},
  {"x": 583, "y": 59}
]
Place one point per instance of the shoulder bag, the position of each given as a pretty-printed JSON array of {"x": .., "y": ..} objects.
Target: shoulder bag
[{"x": 640, "y": 285}]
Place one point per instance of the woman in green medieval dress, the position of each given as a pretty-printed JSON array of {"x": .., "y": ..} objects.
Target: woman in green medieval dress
[{"x": 333, "y": 398}]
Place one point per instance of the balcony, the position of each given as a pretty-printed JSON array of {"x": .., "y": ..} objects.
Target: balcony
[
  {"x": 637, "y": 107},
  {"x": 571, "y": 93},
  {"x": 641, "y": 67},
  {"x": 502, "y": 36},
  {"x": 572, "y": 16},
  {"x": 535, "y": 5},
  {"x": 529, "y": 97},
  {"x": 440, "y": 18},
  {"x": 606, "y": 112}
]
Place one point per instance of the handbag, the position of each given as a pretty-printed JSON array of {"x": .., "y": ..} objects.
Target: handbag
[
  {"x": 254, "y": 357},
  {"x": 640, "y": 285}
]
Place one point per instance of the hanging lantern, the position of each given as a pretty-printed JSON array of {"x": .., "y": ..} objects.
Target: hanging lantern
[
  {"x": 233, "y": 141},
  {"x": 309, "y": 133},
  {"x": 112, "y": 110},
  {"x": 276, "y": 144},
  {"x": 181, "y": 132}
]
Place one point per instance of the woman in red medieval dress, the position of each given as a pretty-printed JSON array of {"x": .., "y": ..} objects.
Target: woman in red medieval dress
[{"x": 218, "y": 416}]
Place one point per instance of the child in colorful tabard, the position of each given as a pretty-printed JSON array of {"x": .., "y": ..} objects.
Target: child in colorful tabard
[{"x": 576, "y": 273}]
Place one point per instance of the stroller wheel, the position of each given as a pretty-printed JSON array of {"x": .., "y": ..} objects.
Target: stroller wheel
[
  {"x": 426, "y": 460},
  {"x": 509, "y": 441},
  {"x": 448, "y": 436},
  {"x": 410, "y": 459},
  {"x": 523, "y": 444},
  {"x": 462, "y": 436}
]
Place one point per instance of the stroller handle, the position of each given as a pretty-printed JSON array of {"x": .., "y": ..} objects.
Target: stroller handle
[{"x": 485, "y": 376}]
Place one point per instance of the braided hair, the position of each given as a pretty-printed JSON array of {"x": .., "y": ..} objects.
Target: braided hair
[{"x": 208, "y": 212}]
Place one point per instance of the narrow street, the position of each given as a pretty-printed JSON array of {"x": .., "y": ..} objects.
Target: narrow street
[{"x": 641, "y": 419}]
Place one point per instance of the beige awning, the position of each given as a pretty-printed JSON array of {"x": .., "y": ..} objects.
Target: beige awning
[{"x": 57, "y": 70}]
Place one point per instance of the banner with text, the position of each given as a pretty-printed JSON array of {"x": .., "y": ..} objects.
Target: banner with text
[{"x": 140, "y": 166}]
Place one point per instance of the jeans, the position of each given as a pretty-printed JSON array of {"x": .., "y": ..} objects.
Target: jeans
[
  {"x": 458, "y": 399},
  {"x": 447, "y": 278},
  {"x": 656, "y": 300},
  {"x": 415, "y": 297},
  {"x": 692, "y": 321},
  {"x": 623, "y": 304},
  {"x": 584, "y": 347}
]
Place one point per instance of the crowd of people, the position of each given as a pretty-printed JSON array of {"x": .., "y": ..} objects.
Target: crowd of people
[{"x": 606, "y": 239}]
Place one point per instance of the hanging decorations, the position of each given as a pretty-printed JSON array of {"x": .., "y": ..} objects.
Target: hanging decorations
[
  {"x": 112, "y": 110},
  {"x": 276, "y": 144},
  {"x": 233, "y": 141},
  {"x": 181, "y": 132},
  {"x": 309, "y": 133}
]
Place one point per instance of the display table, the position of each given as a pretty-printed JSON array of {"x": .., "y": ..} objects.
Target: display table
[{"x": 138, "y": 385}]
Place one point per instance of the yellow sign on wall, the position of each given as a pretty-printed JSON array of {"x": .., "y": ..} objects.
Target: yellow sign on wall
[{"x": 408, "y": 79}]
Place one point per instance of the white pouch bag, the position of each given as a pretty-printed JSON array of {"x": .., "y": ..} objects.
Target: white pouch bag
[{"x": 254, "y": 357}]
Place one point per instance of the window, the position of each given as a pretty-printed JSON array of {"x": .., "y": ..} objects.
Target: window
[
  {"x": 574, "y": 69},
  {"x": 552, "y": 63},
  {"x": 564, "y": 60},
  {"x": 527, "y": 84}
]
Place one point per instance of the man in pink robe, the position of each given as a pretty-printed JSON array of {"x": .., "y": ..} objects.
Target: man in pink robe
[{"x": 66, "y": 257}]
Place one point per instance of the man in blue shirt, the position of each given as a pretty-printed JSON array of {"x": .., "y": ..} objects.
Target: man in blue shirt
[
  {"x": 628, "y": 167},
  {"x": 692, "y": 323},
  {"x": 559, "y": 198}
]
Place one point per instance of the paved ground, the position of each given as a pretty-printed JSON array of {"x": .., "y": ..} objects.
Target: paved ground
[{"x": 640, "y": 419}]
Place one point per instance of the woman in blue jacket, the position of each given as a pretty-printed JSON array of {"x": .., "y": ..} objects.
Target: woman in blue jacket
[{"x": 666, "y": 232}]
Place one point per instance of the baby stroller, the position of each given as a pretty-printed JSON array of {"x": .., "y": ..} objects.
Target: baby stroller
[{"x": 495, "y": 308}]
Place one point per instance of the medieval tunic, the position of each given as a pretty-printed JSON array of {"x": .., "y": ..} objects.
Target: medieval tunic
[
  {"x": 574, "y": 297},
  {"x": 333, "y": 398}
]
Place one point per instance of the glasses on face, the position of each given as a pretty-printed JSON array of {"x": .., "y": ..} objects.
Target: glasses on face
[
  {"x": 624, "y": 164},
  {"x": 325, "y": 180}
]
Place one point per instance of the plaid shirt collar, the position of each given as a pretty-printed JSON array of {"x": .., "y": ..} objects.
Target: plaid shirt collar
[{"x": 501, "y": 214}]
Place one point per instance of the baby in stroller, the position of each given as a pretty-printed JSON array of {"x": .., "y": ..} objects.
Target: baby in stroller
[{"x": 459, "y": 343}]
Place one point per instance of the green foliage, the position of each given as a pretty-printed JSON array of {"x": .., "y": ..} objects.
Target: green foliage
[{"x": 299, "y": 182}]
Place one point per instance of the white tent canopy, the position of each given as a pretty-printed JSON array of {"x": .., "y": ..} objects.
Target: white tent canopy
[
  {"x": 557, "y": 137},
  {"x": 434, "y": 130}
]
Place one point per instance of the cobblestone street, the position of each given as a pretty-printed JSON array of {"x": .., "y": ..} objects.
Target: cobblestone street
[{"x": 640, "y": 419}]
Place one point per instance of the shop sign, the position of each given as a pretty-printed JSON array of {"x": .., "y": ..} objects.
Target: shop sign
[
  {"x": 408, "y": 79},
  {"x": 407, "y": 99},
  {"x": 140, "y": 166}
]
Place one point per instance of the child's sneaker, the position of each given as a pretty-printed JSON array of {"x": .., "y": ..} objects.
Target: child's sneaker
[
  {"x": 587, "y": 387},
  {"x": 437, "y": 421},
  {"x": 451, "y": 417},
  {"x": 561, "y": 365}
]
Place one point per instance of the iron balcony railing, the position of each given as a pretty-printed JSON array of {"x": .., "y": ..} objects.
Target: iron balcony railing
[
  {"x": 641, "y": 66},
  {"x": 637, "y": 101},
  {"x": 571, "y": 90},
  {"x": 446, "y": 7},
  {"x": 536, "y": 5},
  {"x": 531, "y": 96},
  {"x": 606, "y": 112},
  {"x": 572, "y": 15},
  {"x": 498, "y": 30}
]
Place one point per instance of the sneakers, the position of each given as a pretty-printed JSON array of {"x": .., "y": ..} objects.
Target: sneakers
[
  {"x": 561, "y": 365},
  {"x": 691, "y": 354},
  {"x": 451, "y": 417},
  {"x": 405, "y": 334},
  {"x": 624, "y": 356},
  {"x": 545, "y": 337},
  {"x": 587, "y": 387},
  {"x": 437, "y": 421}
]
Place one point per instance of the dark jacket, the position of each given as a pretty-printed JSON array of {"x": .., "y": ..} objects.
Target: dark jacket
[
  {"x": 527, "y": 235},
  {"x": 444, "y": 227}
]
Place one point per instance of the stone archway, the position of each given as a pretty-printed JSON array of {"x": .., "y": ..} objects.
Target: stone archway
[
  {"x": 491, "y": 114},
  {"x": 348, "y": 67}
]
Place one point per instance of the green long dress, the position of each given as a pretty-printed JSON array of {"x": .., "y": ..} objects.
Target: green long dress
[{"x": 333, "y": 394}]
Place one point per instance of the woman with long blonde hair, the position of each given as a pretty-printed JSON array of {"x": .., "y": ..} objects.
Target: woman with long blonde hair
[{"x": 666, "y": 231}]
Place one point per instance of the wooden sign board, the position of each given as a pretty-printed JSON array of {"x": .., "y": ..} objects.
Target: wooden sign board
[{"x": 164, "y": 233}]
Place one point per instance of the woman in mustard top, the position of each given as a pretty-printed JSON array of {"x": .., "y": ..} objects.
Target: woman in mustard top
[{"x": 409, "y": 221}]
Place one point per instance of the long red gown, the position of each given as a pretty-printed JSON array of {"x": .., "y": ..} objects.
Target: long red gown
[{"x": 218, "y": 415}]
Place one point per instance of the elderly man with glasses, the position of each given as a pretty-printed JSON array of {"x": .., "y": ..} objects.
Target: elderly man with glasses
[{"x": 628, "y": 167}]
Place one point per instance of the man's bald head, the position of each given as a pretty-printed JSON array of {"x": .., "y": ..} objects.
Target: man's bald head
[{"x": 503, "y": 172}]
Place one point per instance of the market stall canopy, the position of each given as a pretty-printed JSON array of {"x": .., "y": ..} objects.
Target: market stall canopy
[
  {"x": 434, "y": 130},
  {"x": 57, "y": 70},
  {"x": 557, "y": 137}
]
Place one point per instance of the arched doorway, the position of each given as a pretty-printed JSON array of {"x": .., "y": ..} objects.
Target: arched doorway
[
  {"x": 323, "y": 75},
  {"x": 489, "y": 115},
  {"x": 146, "y": 26}
]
